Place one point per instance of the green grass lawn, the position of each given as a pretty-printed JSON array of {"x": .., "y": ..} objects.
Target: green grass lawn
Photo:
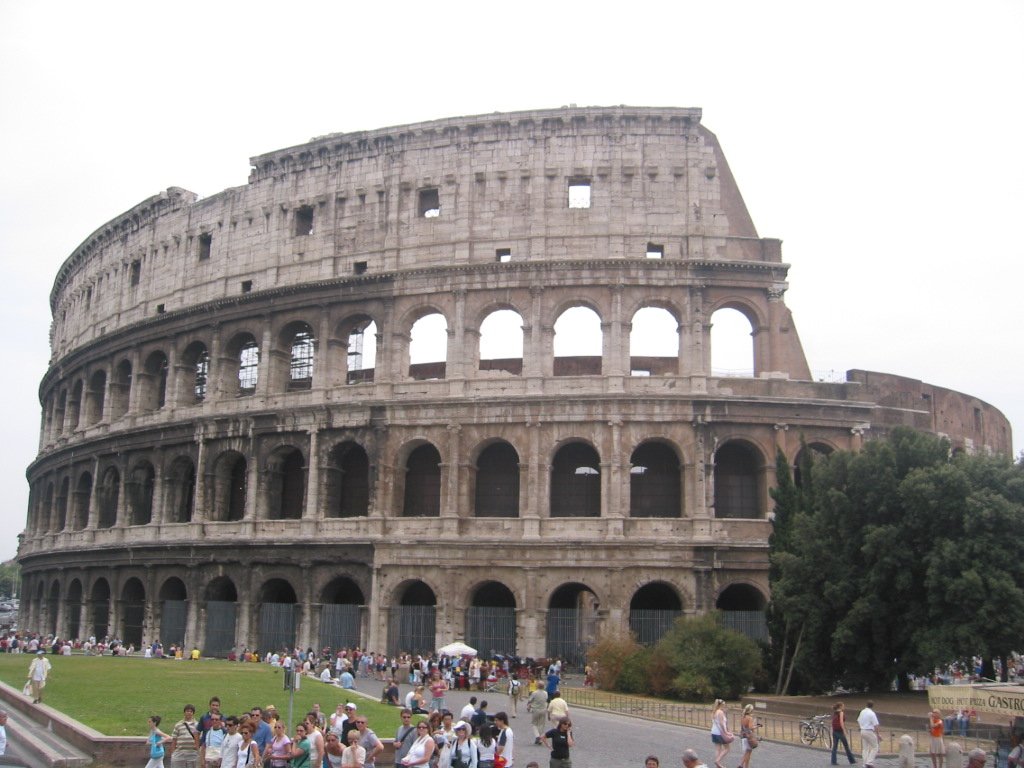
[{"x": 116, "y": 695}]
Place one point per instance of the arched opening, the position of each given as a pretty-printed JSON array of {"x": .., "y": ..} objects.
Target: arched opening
[
  {"x": 141, "y": 481},
  {"x": 298, "y": 339},
  {"x": 195, "y": 373},
  {"x": 53, "y": 607},
  {"x": 806, "y": 458},
  {"x": 75, "y": 406},
  {"x": 341, "y": 614},
  {"x": 286, "y": 485},
  {"x": 120, "y": 390},
  {"x": 501, "y": 342},
  {"x": 94, "y": 397},
  {"x": 278, "y": 618},
  {"x": 742, "y": 609},
  {"x": 100, "y": 597},
  {"x": 654, "y": 343},
  {"x": 173, "y": 598},
  {"x": 61, "y": 511},
  {"x": 578, "y": 343},
  {"x": 732, "y": 343},
  {"x": 652, "y": 612},
  {"x": 654, "y": 484},
  {"x": 738, "y": 481},
  {"x": 73, "y": 606},
  {"x": 362, "y": 352},
  {"x": 154, "y": 387},
  {"x": 576, "y": 482},
  {"x": 221, "y": 599},
  {"x": 109, "y": 493},
  {"x": 181, "y": 490},
  {"x": 230, "y": 480},
  {"x": 244, "y": 351},
  {"x": 413, "y": 621},
  {"x": 46, "y": 518},
  {"x": 80, "y": 502},
  {"x": 572, "y": 623},
  {"x": 497, "y": 481},
  {"x": 428, "y": 347},
  {"x": 133, "y": 607},
  {"x": 491, "y": 620},
  {"x": 348, "y": 481},
  {"x": 59, "y": 412},
  {"x": 422, "y": 483}
]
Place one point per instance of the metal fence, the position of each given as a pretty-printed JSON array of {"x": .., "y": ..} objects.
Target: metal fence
[
  {"x": 277, "y": 626},
  {"x": 751, "y": 623},
  {"x": 340, "y": 625},
  {"x": 569, "y": 635},
  {"x": 491, "y": 630},
  {"x": 412, "y": 629},
  {"x": 220, "y": 628},
  {"x": 172, "y": 622},
  {"x": 649, "y": 626}
]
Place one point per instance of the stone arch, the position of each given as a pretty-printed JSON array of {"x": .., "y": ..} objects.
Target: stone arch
[
  {"x": 230, "y": 484},
  {"x": 491, "y": 619},
  {"x": 220, "y": 598},
  {"x": 576, "y": 481},
  {"x": 53, "y": 606},
  {"x": 359, "y": 336},
  {"x": 100, "y": 597},
  {"x": 120, "y": 389},
  {"x": 181, "y": 490},
  {"x": 428, "y": 346},
  {"x": 133, "y": 612},
  {"x": 413, "y": 620},
  {"x": 653, "y": 609},
  {"x": 60, "y": 516},
  {"x": 739, "y": 480},
  {"x": 140, "y": 485},
  {"x": 654, "y": 342},
  {"x": 45, "y": 521},
  {"x": 73, "y": 609},
  {"x": 107, "y": 496},
  {"x": 173, "y": 607},
  {"x": 95, "y": 396},
  {"x": 153, "y": 384},
  {"x": 572, "y": 622},
  {"x": 194, "y": 374},
  {"x": 80, "y": 502},
  {"x": 348, "y": 481},
  {"x": 341, "y": 613},
  {"x": 655, "y": 485},
  {"x": 60, "y": 406},
  {"x": 75, "y": 405},
  {"x": 578, "y": 342},
  {"x": 286, "y": 484},
  {"x": 293, "y": 357},
  {"x": 278, "y": 609},
  {"x": 421, "y": 482},
  {"x": 496, "y": 481},
  {"x": 742, "y": 609},
  {"x": 242, "y": 375},
  {"x": 809, "y": 454},
  {"x": 500, "y": 346},
  {"x": 734, "y": 324}
]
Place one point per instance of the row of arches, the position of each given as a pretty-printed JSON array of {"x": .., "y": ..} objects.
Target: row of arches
[
  {"x": 293, "y": 358},
  {"x": 135, "y": 492},
  {"x": 223, "y": 619}
]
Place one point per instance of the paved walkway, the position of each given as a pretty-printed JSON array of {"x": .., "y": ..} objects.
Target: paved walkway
[{"x": 607, "y": 740}]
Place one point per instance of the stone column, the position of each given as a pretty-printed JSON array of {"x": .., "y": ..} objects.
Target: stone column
[
  {"x": 312, "y": 510},
  {"x": 450, "y": 473},
  {"x": 199, "y": 511}
]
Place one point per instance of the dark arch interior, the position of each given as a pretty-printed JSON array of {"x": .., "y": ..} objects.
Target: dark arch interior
[
  {"x": 277, "y": 591},
  {"x": 343, "y": 591},
  {"x": 222, "y": 590},
  {"x": 418, "y": 593},
  {"x": 133, "y": 591},
  {"x": 656, "y": 597},
  {"x": 494, "y": 595},
  {"x": 740, "y": 597},
  {"x": 568, "y": 595},
  {"x": 173, "y": 589}
]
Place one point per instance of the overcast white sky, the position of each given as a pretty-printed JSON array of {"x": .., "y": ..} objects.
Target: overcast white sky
[{"x": 881, "y": 141}]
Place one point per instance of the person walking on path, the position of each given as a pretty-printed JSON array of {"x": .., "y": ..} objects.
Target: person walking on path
[
  {"x": 537, "y": 707},
  {"x": 38, "y": 671},
  {"x": 720, "y": 735},
  {"x": 840, "y": 734},
  {"x": 748, "y": 734},
  {"x": 156, "y": 741},
  {"x": 561, "y": 741},
  {"x": 936, "y": 749},
  {"x": 868, "y": 722}
]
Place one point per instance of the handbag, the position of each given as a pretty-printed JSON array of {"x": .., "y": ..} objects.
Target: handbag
[
  {"x": 752, "y": 741},
  {"x": 728, "y": 738},
  {"x": 500, "y": 761}
]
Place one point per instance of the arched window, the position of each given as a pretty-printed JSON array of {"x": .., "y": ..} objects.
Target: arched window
[
  {"x": 423, "y": 483},
  {"x": 80, "y": 503},
  {"x": 195, "y": 373},
  {"x": 154, "y": 394},
  {"x": 300, "y": 369},
  {"x": 120, "y": 390},
  {"x": 248, "y": 367},
  {"x": 181, "y": 488},
  {"x": 94, "y": 397},
  {"x": 109, "y": 492},
  {"x": 654, "y": 343},
  {"x": 230, "y": 480},
  {"x": 497, "y": 482},
  {"x": 75, "y": 406},
  {"x": 60, "y": 518},
  {"x": 737, "y": 481},
  {"x": 576, "y": 482},
  {"x": 59, "y": 412},
  {"x": 428, "y": 347},
  {"x": 732, "y": 344},
  {"x": 654, "y": 482},
  {"x": 287, "y": 486},
  {"x": 362, "y": 352},
  {"x": 578, "y": 343},
  {"x": 140, "y": 493},
  {"x": 501, "y": 342},
  {"x": 348, "y": 481}
]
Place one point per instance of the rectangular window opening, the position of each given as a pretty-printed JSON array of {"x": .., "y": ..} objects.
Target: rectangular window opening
[
  {"x": 304, "y": 221},
  {"x": 359, "y": 267},
  {"x": 655, "y": 251},
  {"x": 205, "y": 241},
  {"x": 247, "y": 286},
  {"x": 579, "y": 193},
  {"x": 503, "y": 255},
  {"x": 160, "y": 309},
  {"x": 136, "y": 274},
  {"x": 430, "y": 203}
]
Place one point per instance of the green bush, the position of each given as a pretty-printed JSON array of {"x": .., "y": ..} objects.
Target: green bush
[
  {"x": 635, "y": 674},
  {"x": 609, "y": 655},
  {"x": 708, "y": 660}
]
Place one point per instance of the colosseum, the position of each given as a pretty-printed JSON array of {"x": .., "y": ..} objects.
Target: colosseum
[{"x": 450, "y": 380}]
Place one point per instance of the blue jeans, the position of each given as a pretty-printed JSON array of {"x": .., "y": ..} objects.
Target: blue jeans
[{"x": 839, "y": 736}]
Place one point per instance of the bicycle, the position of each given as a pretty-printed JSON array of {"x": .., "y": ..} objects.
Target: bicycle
[{"x": 817, "y": 728}]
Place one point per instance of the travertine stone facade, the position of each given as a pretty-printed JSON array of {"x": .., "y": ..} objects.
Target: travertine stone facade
[{"x": 240, "y": 445}]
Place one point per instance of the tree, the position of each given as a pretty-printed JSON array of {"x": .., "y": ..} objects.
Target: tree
[{"x": 708, "y": 660}]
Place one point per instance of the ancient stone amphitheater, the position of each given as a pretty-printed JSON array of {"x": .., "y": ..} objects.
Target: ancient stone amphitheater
[{"x": 400, "y": 389}]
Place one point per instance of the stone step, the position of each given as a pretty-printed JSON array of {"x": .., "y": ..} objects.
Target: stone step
[{"x": 36, "y": 746}]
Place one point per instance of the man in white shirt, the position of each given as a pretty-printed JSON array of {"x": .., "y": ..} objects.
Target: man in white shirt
[{"x": 868, "y": 722}]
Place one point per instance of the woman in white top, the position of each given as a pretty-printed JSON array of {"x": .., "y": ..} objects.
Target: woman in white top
[
  {"x": 333, "y": 750},
  {"x": 720, "y": 732},
  {"x": 316, "y": 740},
  {"x": 463, "y": 750},
  {"x": 486, "y": 747},
  {"x": 421, "y": 750},
  {"x": 355, "y": 754},
  {"x": 248, "y": 750}
]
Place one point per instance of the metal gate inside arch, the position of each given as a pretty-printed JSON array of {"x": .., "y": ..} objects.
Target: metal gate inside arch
[
  {"x": 412, "y": 629},
  {"x": 277, "y": 626},
  {"x": 220, "y": 627},
  {"x": 172, "y": 624},
  {"x": 569, "y": 633},
  {"x": 340, "y": 626},
  {"x": 491, "y": 630}
]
